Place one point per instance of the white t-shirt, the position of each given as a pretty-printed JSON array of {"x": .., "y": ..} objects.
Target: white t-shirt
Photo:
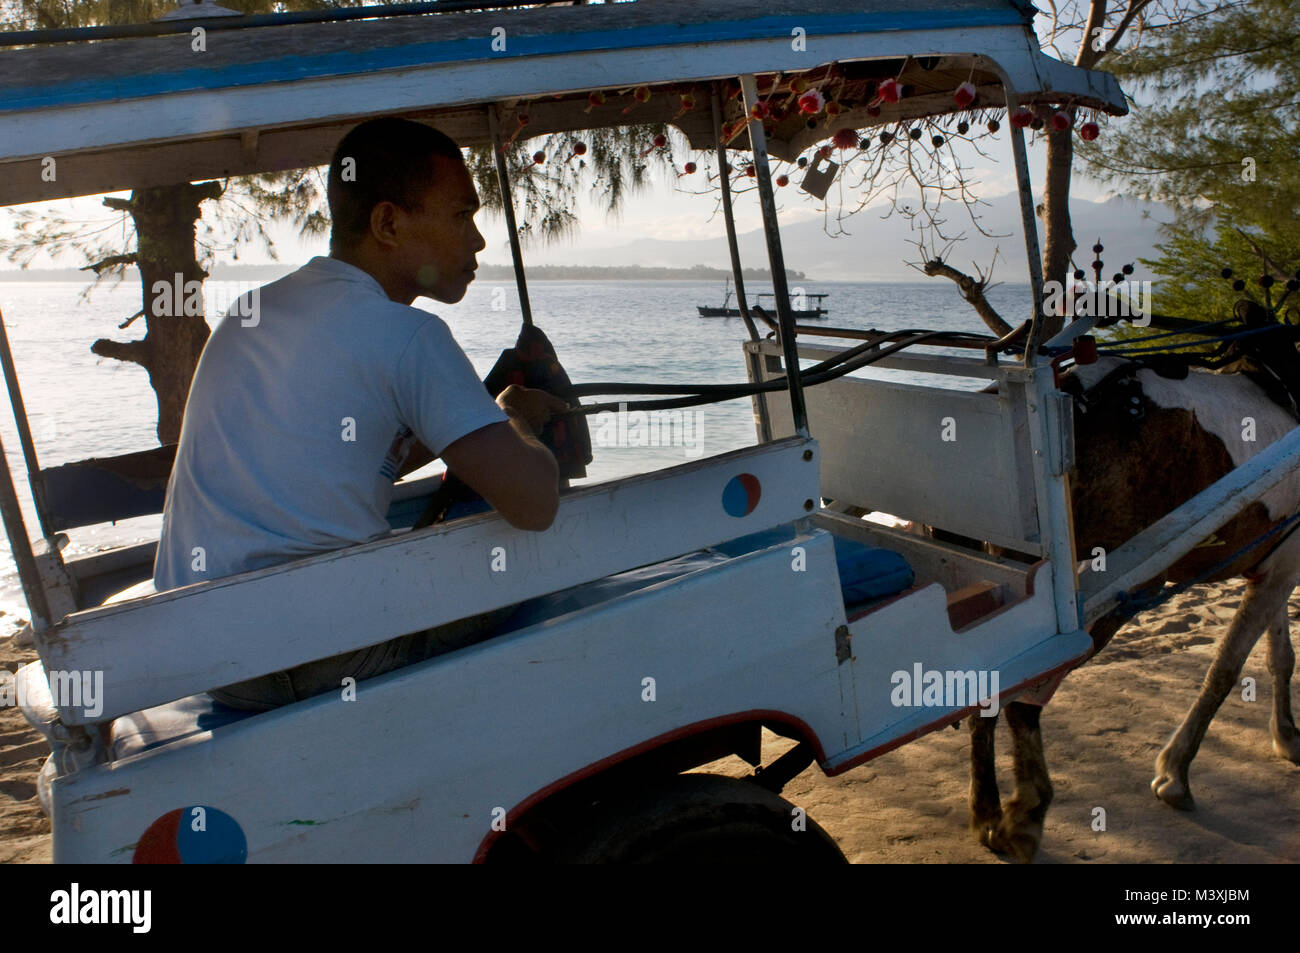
[{"x": 299, "y": 418}]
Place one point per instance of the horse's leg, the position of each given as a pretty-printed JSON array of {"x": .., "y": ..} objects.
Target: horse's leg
[
  {"x": 1021, "y": 828},
  {"x": 1281, "y": 663},
  {"x": 985, "y": 802},
  {"x": 1259, "y": 607}
]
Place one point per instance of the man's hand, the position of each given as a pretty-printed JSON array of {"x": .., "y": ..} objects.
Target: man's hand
[
  {"x": 535, "y": 407},
  {"x": 507, "y": 465}
]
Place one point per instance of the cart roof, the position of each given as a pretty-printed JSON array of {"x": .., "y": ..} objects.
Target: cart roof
[{"x": 133, "y": 112}]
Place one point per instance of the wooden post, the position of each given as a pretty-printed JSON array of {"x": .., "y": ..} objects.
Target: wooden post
[
  {"x": 1038, "y": 328},
  {"x": 24, "y": 432},
  {"x": 776, "y": 259},
  {"x": 508, "y": 207},
  {"x": 728, "y": 215},
  {"x": 21, "y": 548},
  {"x": 762, "y": 416}
]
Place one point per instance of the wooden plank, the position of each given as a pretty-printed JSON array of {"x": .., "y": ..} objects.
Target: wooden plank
[
  {"x": 111, "y": 560},
  {"x": 884, "y": 448},
  {"x": 99, "y": 575},
  {"x": 198, "y": 637},
  {"x": 103, "y": 489}
]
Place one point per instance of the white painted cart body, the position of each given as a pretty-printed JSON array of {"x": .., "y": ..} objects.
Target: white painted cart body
[{"x": 430, "y": 762}]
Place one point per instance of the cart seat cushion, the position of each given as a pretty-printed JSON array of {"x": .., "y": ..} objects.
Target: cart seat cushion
[{"x": 868, "y": 573}]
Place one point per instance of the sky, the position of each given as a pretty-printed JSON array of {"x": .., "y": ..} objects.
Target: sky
[{"x": 665, "y": 211}]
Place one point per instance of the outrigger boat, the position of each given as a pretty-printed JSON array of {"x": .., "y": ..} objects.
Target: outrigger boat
[
  {"x": 805, "y": 314},
  {"x": 671, "y": 615}
]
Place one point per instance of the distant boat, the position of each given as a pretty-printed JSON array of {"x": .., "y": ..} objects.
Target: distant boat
[{"x": 806, "y": 314}]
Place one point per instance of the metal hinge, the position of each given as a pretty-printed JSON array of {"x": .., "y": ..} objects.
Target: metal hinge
[{"x": 843, "y": 649}]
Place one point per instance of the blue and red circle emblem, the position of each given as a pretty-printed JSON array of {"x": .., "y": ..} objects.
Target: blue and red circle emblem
[
  {"x": 741, "y": 494},
  {"x": 192, "y": 835}
]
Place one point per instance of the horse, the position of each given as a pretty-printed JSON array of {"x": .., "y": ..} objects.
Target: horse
[{"x": 1149, "y": 435}]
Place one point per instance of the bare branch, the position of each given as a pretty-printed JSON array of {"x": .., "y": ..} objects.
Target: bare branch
[
  {"x": 135, "y": 352},
  {"x": 973, "y": 291},
  {"x": 113, "y": 261},
  {"x": 1135, "y": 8}
]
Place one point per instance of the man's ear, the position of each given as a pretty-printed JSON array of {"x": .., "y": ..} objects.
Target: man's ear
[{"x": 383, "y": 224}]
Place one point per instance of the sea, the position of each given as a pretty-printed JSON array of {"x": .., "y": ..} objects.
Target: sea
[{"x": 80, "y": 405}]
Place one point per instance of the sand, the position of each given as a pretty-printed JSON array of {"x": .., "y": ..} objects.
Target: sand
[{"x": 1102, "y": 732}]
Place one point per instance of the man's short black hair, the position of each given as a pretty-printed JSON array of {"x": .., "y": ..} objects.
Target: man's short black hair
[{"x": 381, "y": 160}]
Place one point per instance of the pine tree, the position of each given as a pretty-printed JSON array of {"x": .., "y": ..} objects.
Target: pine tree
[{"x": 1217, "y": 138}]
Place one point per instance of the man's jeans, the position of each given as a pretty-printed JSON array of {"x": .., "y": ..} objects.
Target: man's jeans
[{"x": 314, "y": 678}]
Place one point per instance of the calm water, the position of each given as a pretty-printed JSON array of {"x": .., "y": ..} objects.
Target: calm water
[{"x": 81, "y": 405}]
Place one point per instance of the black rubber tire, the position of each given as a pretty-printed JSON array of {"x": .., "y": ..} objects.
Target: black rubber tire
[{"x": 699, "y": 819}]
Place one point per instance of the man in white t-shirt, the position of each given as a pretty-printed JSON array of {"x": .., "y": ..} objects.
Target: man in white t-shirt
[{"x": 326, "y": 386}]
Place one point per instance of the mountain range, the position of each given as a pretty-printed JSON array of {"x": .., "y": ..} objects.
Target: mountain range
[{"x": 876, "y": 248}]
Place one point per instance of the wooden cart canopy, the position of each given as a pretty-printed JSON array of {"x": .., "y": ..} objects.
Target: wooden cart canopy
[{"x": 126, "y": 113}]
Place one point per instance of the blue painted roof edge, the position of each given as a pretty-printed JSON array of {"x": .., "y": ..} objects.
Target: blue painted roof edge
[{"x": 298, "y": 68}]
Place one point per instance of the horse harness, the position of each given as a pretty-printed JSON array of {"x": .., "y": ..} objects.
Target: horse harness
[{"x": 1270, "y": 359}]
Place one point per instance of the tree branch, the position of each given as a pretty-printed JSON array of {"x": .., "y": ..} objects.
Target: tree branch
[
  {"x": 973, "y": 291},
  {"x": 134, "y": 352},
  {"x": 1278, "y": 272},
  {"x": 1135, "y": 7},
  {"x": 111, "y": 262},
  {"x": 1087, "y": 56}
]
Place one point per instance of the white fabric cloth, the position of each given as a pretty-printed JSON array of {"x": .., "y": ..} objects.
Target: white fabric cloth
[{"x": 302, "y": 410}]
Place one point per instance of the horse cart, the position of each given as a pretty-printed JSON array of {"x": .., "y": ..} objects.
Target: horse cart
[{"x": 668, "y": 617}]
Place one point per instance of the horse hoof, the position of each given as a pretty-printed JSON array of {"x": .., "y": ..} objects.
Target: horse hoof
[
  {"x": 1017, "y": 843},
  {"x": 1286, "y": 743},
  {"x": 984, "y": 830},
  {"x": 1173, "y": 792},
  {"x": 1287, "y": 748}
]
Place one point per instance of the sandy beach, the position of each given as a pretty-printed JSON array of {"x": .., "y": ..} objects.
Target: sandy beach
[{"x": 1102, "y": 732}]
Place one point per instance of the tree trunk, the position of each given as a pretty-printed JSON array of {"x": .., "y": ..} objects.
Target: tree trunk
[
  {"x": 1058, "y": 240},
  {"x": 165, "y": 220}
]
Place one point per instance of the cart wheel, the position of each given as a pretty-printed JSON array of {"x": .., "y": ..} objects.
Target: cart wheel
[{"x": 700, "y": 819}]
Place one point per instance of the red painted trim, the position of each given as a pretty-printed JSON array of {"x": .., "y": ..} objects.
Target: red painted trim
[
  {"x": 945, "y": 720},
  {"x": 1029, "y": 594},
  {"x": 801, "y": 727}
]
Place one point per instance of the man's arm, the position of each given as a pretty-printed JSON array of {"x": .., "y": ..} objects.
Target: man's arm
[{"x": 507, "y": 465}]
